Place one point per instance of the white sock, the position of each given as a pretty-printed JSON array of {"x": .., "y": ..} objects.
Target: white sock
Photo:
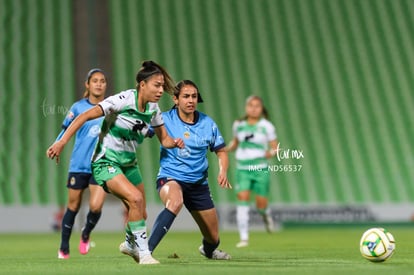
[
  {"x": 130, "y": 240},
  {"x": 141, "y": 241},
  {"x": 242, "y": 217}
]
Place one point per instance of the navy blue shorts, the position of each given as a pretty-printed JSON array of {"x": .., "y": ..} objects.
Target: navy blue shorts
[
  {"x": 196, "y": 196},
  {"x": 80, "y": 180}
]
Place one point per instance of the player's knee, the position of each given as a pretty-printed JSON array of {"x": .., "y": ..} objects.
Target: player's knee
[
  {"x": 135, "y": 200},
  {"x": 174, "y": 205},
  {"x": 74, "y": 205}
]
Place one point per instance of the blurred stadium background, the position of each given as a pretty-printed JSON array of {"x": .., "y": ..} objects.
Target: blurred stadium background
[{"x": 336, "y": 76}]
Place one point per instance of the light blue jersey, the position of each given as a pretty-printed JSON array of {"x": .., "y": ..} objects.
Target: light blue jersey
[
  {"x": 189, "y": 164},
  {"x": 86, "y": 137}
]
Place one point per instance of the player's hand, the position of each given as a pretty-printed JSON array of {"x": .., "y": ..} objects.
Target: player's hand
[
  {"x": 55, "y": 150},
  {"x": 223, "y": 181},
  {"x": 178, "y": 142}
]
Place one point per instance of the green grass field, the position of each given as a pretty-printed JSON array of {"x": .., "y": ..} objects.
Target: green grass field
[{"x": 294, "y": 250}]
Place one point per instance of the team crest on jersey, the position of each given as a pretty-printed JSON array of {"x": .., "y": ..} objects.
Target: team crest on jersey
[
  {"x": 111, "y": 169},
  {"x": 184, "y": 152},
  {"x": 186, "y": 134},
  {"x": 94, "y": 131},
  {"x": 72, "y": 181}
]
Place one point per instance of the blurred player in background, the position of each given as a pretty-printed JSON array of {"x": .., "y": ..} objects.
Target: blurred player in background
[
  {"x": 80, "y": 173},
  {"x": 182, "y": 178},
  {"x": 254, "y": 137},
  {"x": 128, "y": 117}
]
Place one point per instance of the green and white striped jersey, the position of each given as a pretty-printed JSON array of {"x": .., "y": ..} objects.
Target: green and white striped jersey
[
  {"x": 253, "y": 142},
  {"x": 124, "y": 127}
]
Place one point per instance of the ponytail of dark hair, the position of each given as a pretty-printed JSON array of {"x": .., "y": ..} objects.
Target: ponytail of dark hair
[{"x": 150, "y": 68}]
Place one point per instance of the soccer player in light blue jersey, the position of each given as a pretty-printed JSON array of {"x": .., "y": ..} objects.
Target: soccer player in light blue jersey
[
  {"x": 254, "y": 139},
  {"x": 128, "y": 117},
  {"x": 182, "y": 177},
  {"x": 80, "y": 173}
]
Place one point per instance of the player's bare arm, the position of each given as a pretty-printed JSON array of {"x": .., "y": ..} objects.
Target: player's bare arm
[
  {"x": 223, "y": 161},
  {"x": 273, "y": 149},
  {"x": 166, "y": 140},
  {"x": 57, "y": 147},
  {"x": 232, "y": 145}
]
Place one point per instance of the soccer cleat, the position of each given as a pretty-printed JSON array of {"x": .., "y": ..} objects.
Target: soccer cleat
[
  {"x": 148, "y": 259},
  {"x": 217, "y": 254},
  {"x": 242, "y": 244},
  {"x": 62, "y": 255},
  {"x": 269, "y": 224},
  {"x": 127, "y": 250},
  {"x": 84, "y": 247}
]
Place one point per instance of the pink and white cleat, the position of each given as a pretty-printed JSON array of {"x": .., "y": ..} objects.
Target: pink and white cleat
[
  {"x": 62, "y": 255},
  {"x": 84, "y": 247}
]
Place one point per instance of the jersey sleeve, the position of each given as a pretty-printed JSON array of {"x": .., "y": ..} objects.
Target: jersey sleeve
[
  {"x": 70, "y": 116},
  {"x": 217, "y": 141},
  {"x": 157, "y": 120},
  {"x": 115, "y": 103},
  {"x": 234, "y": 127},
  {"x": 271, "y": 131}
]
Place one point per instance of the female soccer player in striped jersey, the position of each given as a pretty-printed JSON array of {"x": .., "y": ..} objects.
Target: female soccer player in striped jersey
[
  {"x": 80, "y": 173},
  {"x": 128, "y": 117},
  {"x": 254, "y": 137},
  {"x": 182, "y": 178}
]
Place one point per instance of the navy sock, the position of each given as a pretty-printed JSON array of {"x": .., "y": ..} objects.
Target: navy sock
[
  {"x": 209, "y": 248},
  {"x": 161, "y": 226},
  {"x": 67, "y": 224},
  {"x": 91, "y": 221}
]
